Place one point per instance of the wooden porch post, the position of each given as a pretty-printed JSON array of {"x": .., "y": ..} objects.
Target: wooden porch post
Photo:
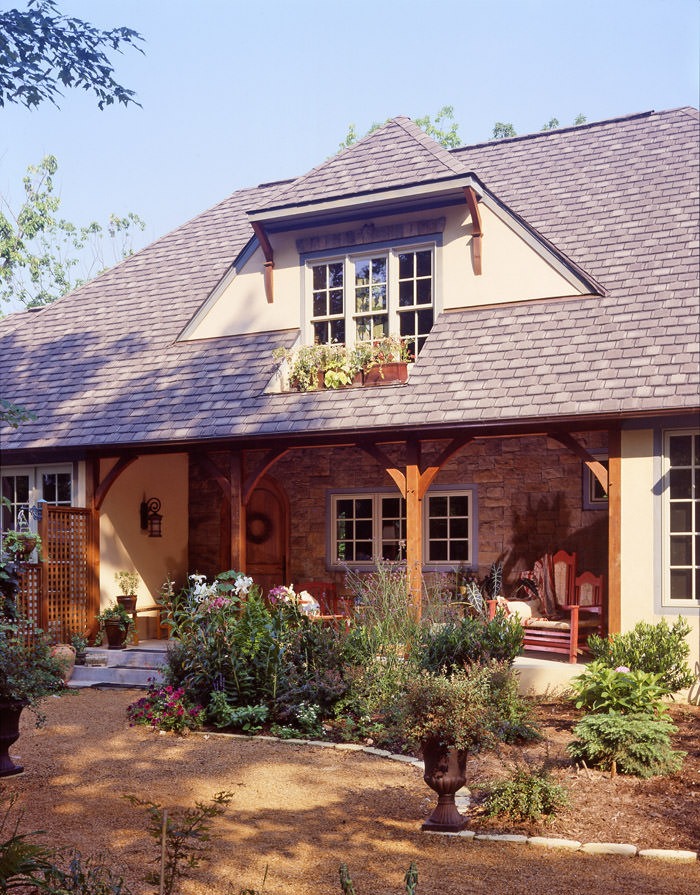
[
  {"x": 614, "y": 531},
  {"x": 414, "y": 528},
  {"x": 236, "y": 511},
  {"x": 92, "y": 603}
]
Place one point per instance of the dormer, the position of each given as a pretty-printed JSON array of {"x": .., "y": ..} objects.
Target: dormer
[{"x": 379, "y": 240}]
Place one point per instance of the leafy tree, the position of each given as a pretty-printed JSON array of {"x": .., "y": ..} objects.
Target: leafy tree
[
  {"x": 42, "y": 50},
  {"x": 41, "y": 253},
  {"x": 443, "y": 129},
  {"x": 502, "y": 130}
]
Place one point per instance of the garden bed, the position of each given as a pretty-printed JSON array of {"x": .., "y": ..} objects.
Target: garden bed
[{"x": 302, "y": 810}]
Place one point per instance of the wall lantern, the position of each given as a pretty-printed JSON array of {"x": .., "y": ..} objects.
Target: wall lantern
[{"x": 151, "y": 519}]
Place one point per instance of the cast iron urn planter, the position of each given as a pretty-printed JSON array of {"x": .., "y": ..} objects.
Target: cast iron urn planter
[
  {"x": 115, "y": 633},
  {"x": 10, "y": 710},
  {"x": 445, "y": 772}
]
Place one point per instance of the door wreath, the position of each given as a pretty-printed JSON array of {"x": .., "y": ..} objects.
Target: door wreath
[{"x": 258, "y": 528}]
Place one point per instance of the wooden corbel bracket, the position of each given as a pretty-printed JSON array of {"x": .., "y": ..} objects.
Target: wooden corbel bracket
[
  {"x": 259, "y": 231},
  {"x": 477, "y": 232}
]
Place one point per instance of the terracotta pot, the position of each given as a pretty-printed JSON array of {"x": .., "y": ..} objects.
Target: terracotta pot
[
  {"x": 128, "y": 601},
  {"x": 64, "y": 654},
  {"x": 445, "y": 772},
  {"x": 395, "y": 371},
  {"x": 116, "y": 635},
  {"x": 10, "y": 710}
]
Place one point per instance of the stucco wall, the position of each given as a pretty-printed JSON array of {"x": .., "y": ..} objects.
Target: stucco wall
[
  {"x": 122, "y": 543},
  {"x": 642, "y": 547},
  {"x": 511, "y": 271}
]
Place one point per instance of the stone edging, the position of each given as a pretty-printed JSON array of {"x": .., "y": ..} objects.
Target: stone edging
[{"x": 591, "y": 848}]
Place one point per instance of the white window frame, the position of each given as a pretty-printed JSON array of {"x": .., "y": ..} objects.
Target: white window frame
[
  {"x": 693, "y": 533},
  {"x": 348, "y": 257},
  {"x": 469, "y": 491},
  {"x": 34, "y": 475}
]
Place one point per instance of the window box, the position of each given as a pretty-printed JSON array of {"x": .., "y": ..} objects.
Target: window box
[{"x": 321, "y": 366}]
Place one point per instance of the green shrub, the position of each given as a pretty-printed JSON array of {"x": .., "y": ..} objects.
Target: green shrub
[
  {"x": 472, "y": 640},
  {"x": 656, "y": 649},
  {"x": 639, "y": 744},
  {"x": 602, "y": 689},
  {"x": 526, "y": 795},
  {"x": 247, "y": 718}
]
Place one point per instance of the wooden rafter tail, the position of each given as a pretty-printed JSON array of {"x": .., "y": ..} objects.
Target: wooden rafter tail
[
  {"x": 259, "y": 231},
  {"x": 477, "y": 230}
]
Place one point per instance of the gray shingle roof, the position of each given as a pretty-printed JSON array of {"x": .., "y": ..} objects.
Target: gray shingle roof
[
  {"x": 397, "y": 154},
  {"x": 103, "y": 367}
]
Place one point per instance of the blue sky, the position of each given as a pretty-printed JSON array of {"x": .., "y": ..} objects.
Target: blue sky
[{"x": 237, "y": 93}]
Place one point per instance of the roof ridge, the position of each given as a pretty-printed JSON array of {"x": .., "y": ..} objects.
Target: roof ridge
[
  {"x": 435, "y": 148},
  {"x": 560, "y": 130}
]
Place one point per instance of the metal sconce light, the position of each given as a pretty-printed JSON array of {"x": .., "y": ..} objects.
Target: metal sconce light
[{"x": 151, "y": 519}]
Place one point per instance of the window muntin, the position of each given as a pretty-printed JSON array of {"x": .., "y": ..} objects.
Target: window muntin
[
  {"x": 365, "y": 297},
  {"x": 365, "y": 526},
  {"x": 682, "y": 518}
]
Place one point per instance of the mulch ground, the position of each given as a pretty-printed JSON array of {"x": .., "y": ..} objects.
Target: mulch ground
[{"x": 297, "y": 812}]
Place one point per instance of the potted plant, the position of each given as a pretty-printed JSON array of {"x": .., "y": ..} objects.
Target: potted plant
[
  {"x": 79, "y": 642},
  {"x": 115, "y": 622},
  {"x": 450, "y": 717},
  {"x": 383, "y": 361},
  {"x": 28, "y": 674},
  {"x": 20, "y": 544},
  {"x": 319, "y": 366},
  {"x": 128, "y": 583}
]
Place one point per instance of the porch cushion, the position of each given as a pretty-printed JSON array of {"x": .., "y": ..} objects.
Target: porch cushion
[
  {"x": 524, "y": 609},
  {"x": 548, "y": 624}
]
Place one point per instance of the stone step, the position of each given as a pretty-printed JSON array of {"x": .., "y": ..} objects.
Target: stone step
[{"x": 134, "y": 666}]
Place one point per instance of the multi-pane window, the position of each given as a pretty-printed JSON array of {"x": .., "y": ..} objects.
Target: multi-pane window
[
  {"x": 683, "y": 516},
  {"x": 328, "y": 314},
  {"x": 371, "y": 309},
  {"x": 362, "y": 298},
  {"x": 448, "y": 528},
  {"x": 22, "y": 488},
  {"x": 415, "y": 297},
  {"x": 369, "y": 526}
]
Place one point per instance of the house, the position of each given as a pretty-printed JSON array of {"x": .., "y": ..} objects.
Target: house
[{"x": 548, "y": 288}]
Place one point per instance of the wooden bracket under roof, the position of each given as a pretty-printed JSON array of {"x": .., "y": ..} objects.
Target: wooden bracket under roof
[
  {"x": 477, "y": 232},
  {"x": 259, "y": 231}
]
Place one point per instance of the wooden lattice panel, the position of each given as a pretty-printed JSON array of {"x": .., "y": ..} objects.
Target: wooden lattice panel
[
  {"x": 68, "y": 576},
  {"x": 29, "y": 598}
]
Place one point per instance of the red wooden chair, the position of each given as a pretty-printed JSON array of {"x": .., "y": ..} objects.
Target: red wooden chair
[
  {"x": 589, "y": 598},
  {"x": 326, "y": 595}
]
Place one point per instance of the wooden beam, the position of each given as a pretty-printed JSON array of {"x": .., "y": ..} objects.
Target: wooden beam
[
  {"x": 102, "y": 489},
  {"x": 477, "y": 232},
  {"x": 428, "y": 474},
  {"x": 259, "y": 231},
  {"x": 384, "y": 461},
  {"x": 595, "y": 466},
  {"x": 614, "y": 531},
  {"x": 237, "y": 512},
  {"x": 414, "y": 529},
  {"x": 251, "y": 481}
]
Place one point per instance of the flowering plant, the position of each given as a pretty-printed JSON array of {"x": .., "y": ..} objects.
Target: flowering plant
[
  {"x": 302, "y": 600},
  {"x": 166, "y": 708},
  {"x": 603, "y": 689}
]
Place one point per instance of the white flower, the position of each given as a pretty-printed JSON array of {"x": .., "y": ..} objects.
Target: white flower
[{"x": 243, "y": 585}]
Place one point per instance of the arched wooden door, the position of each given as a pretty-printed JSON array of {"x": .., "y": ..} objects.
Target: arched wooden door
[{"x": 267, "y": 535}]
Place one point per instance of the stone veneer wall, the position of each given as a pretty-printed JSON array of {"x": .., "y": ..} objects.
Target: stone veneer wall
[{"x": 529, "y": 494}]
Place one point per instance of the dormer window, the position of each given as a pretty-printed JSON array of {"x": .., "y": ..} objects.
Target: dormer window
[{"x": 362, "y": 298}]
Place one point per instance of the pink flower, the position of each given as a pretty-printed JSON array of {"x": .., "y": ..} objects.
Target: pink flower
[{"x": 623, "y": 669}]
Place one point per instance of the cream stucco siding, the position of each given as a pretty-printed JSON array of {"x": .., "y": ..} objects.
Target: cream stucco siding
[
  {"x": 512, "y": 270},
  {"x": 641, "y": 552},
  {"x": 122, "y": 543}
]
